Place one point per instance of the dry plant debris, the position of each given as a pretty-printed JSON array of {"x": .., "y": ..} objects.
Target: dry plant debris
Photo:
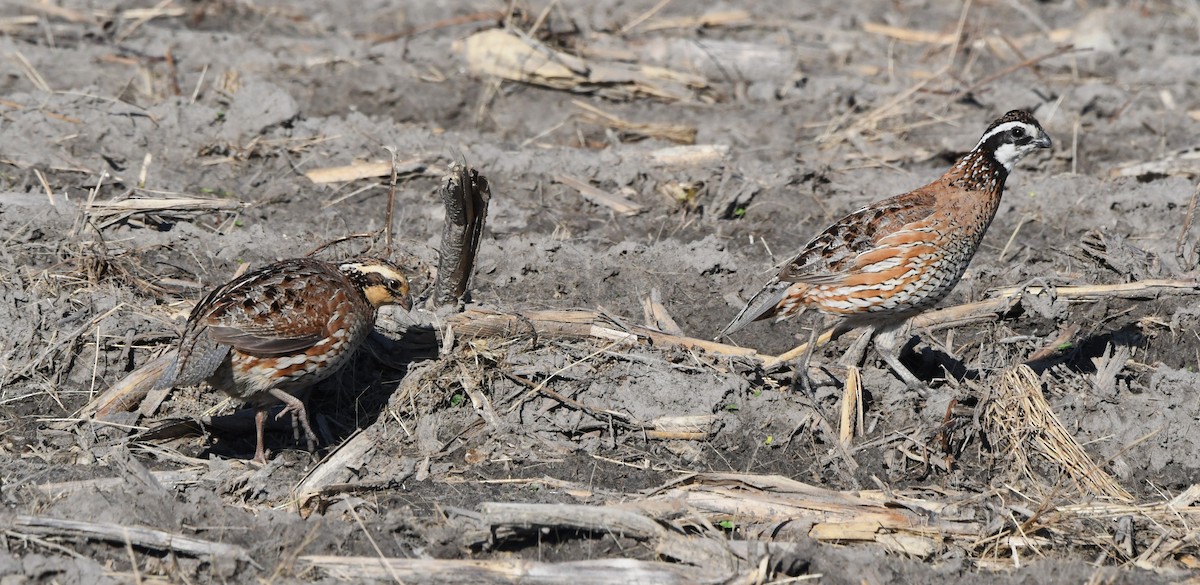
[
  {"x": 1182, "y": 162},
  {"x": 1025, "y": 430},
  {"x": 689, "y": 519},
  {"x": 680, "y": 133},
  {"x": 517, "y": 57},
  {"x": 462, "y": 424},
  {"x": 617, "y": 203},
  {"x": 364, "y": 170},
  {"x": 1004, "y": 299},
  {"x": 465, "y": 195}
]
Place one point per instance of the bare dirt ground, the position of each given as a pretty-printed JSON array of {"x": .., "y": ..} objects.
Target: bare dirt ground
[{"x": 147, "y": 150}]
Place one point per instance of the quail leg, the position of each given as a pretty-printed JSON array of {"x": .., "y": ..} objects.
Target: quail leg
[
  {"x": 260, "y": 422},
  {"x": 802, "y": 379},
  {"x": 885, "y": 345},
  {"x": 296, "y": 407}
]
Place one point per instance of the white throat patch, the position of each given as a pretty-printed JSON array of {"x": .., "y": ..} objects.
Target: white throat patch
[{"x": 1008, "y": 154}]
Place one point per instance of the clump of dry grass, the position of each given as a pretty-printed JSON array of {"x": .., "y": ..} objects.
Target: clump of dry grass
[{"x": 1024, "y": 428}]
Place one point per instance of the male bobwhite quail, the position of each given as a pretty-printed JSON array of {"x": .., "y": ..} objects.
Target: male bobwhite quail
[
  {"x": 274, "y": 331},
  {"x": 894, "y": 258}
]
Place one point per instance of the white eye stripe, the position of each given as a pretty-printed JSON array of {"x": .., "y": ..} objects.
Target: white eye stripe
[
  {"x": 384, "y": 271},
  {"x": 1005, "y": 127}
]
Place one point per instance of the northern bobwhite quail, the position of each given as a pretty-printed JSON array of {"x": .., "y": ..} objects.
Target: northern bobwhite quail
[
  {"x": 274, "y": 331},
  {"x": 894, "y": 258}
]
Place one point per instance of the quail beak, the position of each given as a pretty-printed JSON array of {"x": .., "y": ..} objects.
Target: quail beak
[
  {"x": 1044, "y": 141},
  {"x": 379, "y": 295}
]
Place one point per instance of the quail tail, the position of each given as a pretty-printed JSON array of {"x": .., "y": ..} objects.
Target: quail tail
[
  {"x": 763, "y": 305},
  {"x": 166, "y": 380},
  {"x": 194, "y": 365}
]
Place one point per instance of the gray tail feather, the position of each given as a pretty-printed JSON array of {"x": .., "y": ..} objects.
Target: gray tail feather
[
  {"x": 200, "y": 362},
  {"x": 166, "y": 380},
  {"x": 761, "y": 306}
]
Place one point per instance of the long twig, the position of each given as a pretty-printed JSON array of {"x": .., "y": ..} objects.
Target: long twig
[
  {"x": 989, "y": 309},
  {"x": 391, "y": 207},
  {"x": 141, "y": 536},
  {"x": 577, "y": 324},
  {"x": 1187, "y": 226}
]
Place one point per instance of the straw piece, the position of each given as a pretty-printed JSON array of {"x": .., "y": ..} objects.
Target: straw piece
[{"x": 1023, "y": 425}]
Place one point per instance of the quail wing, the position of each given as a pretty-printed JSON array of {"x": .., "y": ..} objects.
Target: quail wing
[
  {"x": 837, "y": 252},
  {"x": 282, "y": 308}
]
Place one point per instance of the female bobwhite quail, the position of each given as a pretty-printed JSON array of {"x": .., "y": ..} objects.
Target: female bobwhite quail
[
  {"x": 274, "y": 331},
  {"x": 894, "y": 258}
]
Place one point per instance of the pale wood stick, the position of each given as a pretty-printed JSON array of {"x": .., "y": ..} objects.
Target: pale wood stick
[
  {"x": 693, "y": 155},
  {"x": 908, "y": 34},
  {"x": 680, "y": 133},
  {"x": 174, "y": 204},
  {"x": 141, "y": 536},
  {"x": 732, "y": 17},
  {"x": 337, "y": 467},
  {"x": 852, "y": 411},
  {"x": 657, "y": 316},
  {"x": 600, "y": 197},
  {"x": 1187, "y": 226},
  {"x": 1142, "y": 289},
  {"x": 168, "y": 478},
  {"x": 128, "y": 393},
  {"x": 364, "y": 170},
  {"x": 504, "y": 571}
]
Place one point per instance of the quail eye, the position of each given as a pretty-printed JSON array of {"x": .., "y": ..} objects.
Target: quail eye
[{"x": 1018, "y": 132}]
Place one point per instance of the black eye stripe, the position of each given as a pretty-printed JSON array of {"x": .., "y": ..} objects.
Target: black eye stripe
[
  {"x": 996, "y": 140},
  {"x": 376, "y": 274}
]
